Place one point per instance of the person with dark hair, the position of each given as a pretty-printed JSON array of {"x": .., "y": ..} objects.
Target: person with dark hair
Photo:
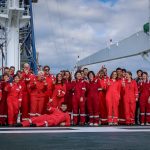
[
  {"x": 79, "y": 88},
  {"x": 68, "y": 75},
  {"x": 82, "y": 73},
  {"x": 39, "y": 68},
  {"x": 144, "y": 100},
  {"x": 138, "y": 80},
  {"x": 139, "y": 76},
  {"x": 112, "y": 98},
  {"x": 105, "y": 72},
  {"x": 19, "y": 72},
  {"x": 6, "y": 70},
  {"x": 58, "y": 92},
  {"x": 77, "y": 72},
  {"x": 102, "y": 96},
  {"x": 130, "y": 97},
  {"x": 121, "y": 77},
  {"x": 47, "y": 68},
  {"x": 50, "y": 79},
  {"x": 124, "y": 73},
  {"x": 14, "y": 99},
  {"x": 12, "y": 71},
  {"x": 3, "y": 99},
  {"x": 93, "y": 88},
  {"x": 68, "y": 95},
  {"x": 25, "y": 97},
  {"x": 61, "y": 118},
  {"x": 62, "y": 72},
  {"x": 85, "y": 72},
  {"x": 53, "y": 117},
  {"x": 85, "y": 78},
  {"x": 119, "y": 73}
]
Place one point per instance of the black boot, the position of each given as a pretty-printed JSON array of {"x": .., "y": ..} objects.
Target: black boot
[
  {"x": 18, "y": 125},
  {"x": 32, "y": 125}
]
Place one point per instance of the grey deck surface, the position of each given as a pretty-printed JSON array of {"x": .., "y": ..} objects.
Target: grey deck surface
[{"x": 85, "y": 138}]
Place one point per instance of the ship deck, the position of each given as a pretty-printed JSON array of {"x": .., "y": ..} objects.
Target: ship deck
[{"x": 75, "y": 138}]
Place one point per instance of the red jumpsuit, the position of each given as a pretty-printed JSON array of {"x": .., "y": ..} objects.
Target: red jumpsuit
[
  {"x": 49, "y": 92},
  {"x": 28, "y": 78},
  {"x": 14, "y": 99},
  {"x": 68, "y": 96},
  {"x": 3, "y": 103},
  {"x": 102, "y": 101},
  {"x": 58, "y": 95},
  {"x": 54, "y": 118},
  {"x": 112, "y": 100},
  {"x": 144, "y": 89},
  {"x": 93, "y": 101},
  {"x": 130, "y": 95},
  {"x": 79, "y": 88},
  {"x": 121, "y": 104},
  {"x": 25, "y": 106},
  {"x": 37, "y": 97},
  {"x": 25, "y": 100}
]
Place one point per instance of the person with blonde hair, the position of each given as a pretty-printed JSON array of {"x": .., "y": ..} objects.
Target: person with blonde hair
[{"x": 38, "y": 87}]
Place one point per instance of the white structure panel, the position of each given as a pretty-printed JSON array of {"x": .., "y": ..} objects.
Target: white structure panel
[{"x": 136, "y": 44}]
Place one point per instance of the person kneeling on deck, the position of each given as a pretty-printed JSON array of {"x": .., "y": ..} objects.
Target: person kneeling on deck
[{"x": 54, "y": 117}]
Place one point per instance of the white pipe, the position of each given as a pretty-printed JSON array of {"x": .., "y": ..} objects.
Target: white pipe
[{"x": 13, "y": 53}]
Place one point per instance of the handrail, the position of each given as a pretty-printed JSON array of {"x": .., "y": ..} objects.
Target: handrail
[{"x": 4, "y": 5}]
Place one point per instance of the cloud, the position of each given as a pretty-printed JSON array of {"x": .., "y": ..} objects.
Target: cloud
[{"x": 65, "y": 29}]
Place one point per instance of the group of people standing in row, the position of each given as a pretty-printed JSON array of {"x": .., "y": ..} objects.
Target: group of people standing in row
[{"x": 89, "y": 98}]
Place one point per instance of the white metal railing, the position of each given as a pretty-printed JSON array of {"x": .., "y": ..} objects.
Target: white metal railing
[
  {"x": 3, "y": 6},
  {"x": 26, "y": 10},
  {"x": 16, "y": 3}
]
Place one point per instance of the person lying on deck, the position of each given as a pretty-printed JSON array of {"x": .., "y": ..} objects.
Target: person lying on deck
[{"x": 54, "y": 117}]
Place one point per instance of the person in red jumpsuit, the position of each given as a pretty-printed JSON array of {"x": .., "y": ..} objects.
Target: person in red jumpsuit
[
  {"x": 112, "y": 98},
  {"x": 58, "y": 92},
  {"x": 102, "y": 97},
  {"x": 3, "y": 99},
  {"x": 14, "y": 99},
  {"x": 85, "y": 78},
  {"x": 68, "y": 95},
  {"x": 93, "y": 88},
  {"x": 25, "y": 78},
  {"x": 50, "y": 79},
  {"x": 25, "y": 97},
  {"x": 78, "y": 100},
  {"x": 121, "y": 77},
  {"x": 38, "y": 87},
  {"x": 144, "y": 90},
  {"x": 54, "y": 117},
  {"x": 130, "y": 97}
]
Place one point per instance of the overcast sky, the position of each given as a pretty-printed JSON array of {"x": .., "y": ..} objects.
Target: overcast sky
[{"x": 65, "y": 29}]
